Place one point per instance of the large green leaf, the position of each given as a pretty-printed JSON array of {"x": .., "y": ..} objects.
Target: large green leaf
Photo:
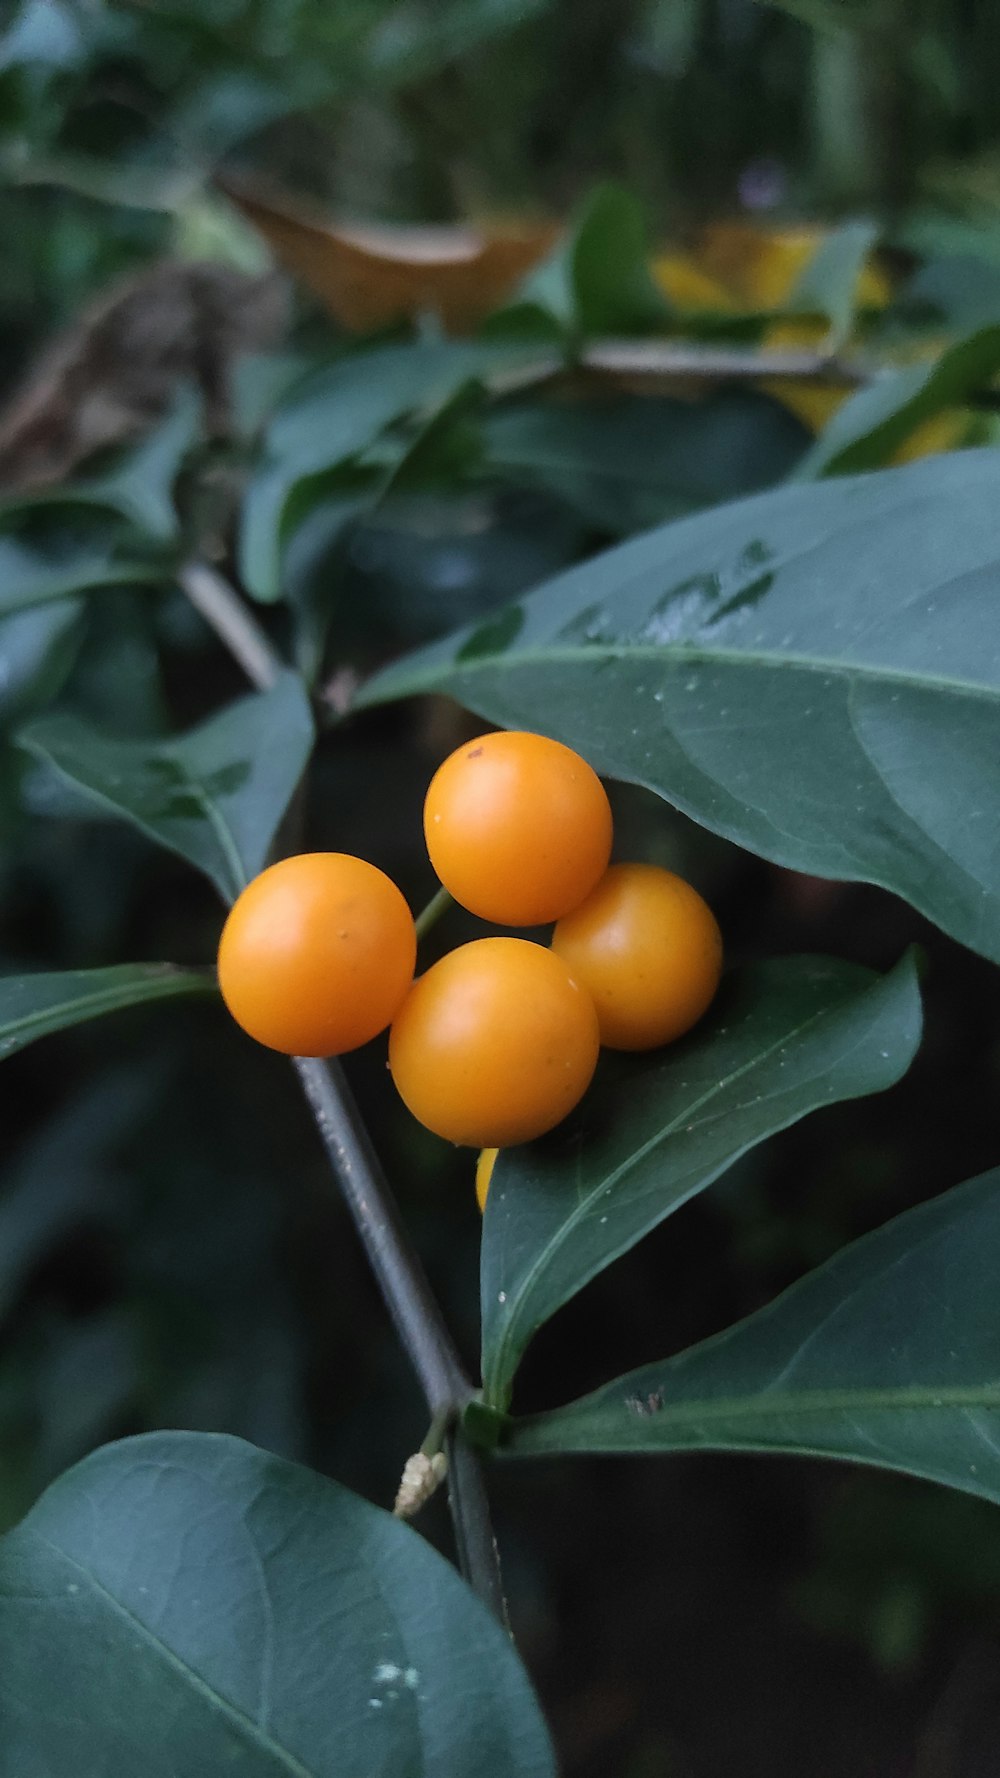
[
  {"x": 185, "y": 1603},
  {"x": 215, "y": 795},
  {"x": 886, "y": 1355},
  {"x": 328, "y": 422},
  {"x": 32, "y": 1006},
  {"x": 814, "y": 672},
  {"x": 786, "y": 1037}
]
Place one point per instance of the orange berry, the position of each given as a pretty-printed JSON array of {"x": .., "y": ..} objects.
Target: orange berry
[
  {"x": 495, "y": 1044},
  {"x": 649, "y": 952},
  {"x": 518, "y": 828},
  {"x": 317, "y": 954}
]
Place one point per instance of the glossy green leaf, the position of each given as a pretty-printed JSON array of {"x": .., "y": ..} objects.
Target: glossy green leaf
[
  {"x": 329, "y": 421},
  {"x": 32, "y": 1006},
  {"x": 185, "y": 1603},
  {"x": 887, "y": 1355},
  {"x": 828, "y": 283},
  {"x": 864, "y": 433},
  {"x": 215, "y": 795},
  {"x": 784, "y": 1038},
  {"x": 814, "y": 672}
]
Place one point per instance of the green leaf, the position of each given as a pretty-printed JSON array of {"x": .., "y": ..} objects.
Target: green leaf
[
  {"x": 141, "y": 486},
  {"x": 599, "y": 280},
  {"x": 33, "y": 1006},
  {"x": 868, "y": 429},
  {"x": 257, "y": 1618},
  {"x": 614, "y": 287},
  {"x": 939, "y": 233},
  {"x": 785, "y": 1038},
  {"x": 315, "y": 570},
  {"x": 46, "y": 32},
  {"x": 329, "y": 422},
  {"x": 38, "y": 647},
  {"x": 138, "y": 488},
  {"x": 441, "y": 447},
  {"x": 828, "y": 284},
  {"x": 29, "y": 576},
  {"x": 214, "y": 795},
  {"x": 814, "y": 673},
  {"x": 637, "y": 460},
  {"x": 887, "y": 1355},
  {"x": 959, "y": 295}
]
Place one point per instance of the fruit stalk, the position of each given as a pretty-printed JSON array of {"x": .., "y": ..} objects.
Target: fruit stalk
[
  {"x": 400, "y": 1275},
  {"x": 417, "y": 1318}
]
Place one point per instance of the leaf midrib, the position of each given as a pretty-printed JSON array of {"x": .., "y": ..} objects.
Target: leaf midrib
[
  {"x": 687, "y": 655},
  {"x": 286, "y": 1760},
  {"x": 551, "y": 1250},
  {"x": 762, "y": 1406},
  {"x": 109, "y": 999},
  {"x": 225, "y": 838},
  {"x": 224, "y": 835}
]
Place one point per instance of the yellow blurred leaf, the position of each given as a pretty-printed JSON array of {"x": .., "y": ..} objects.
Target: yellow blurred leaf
[
  {"x": 689, "y": 288},
  {"x": 762, "y": 266},
  {"x": 814, "y": 403},
  {"x": 942, "y": 432},
  {"x": 370, "y": 277}
]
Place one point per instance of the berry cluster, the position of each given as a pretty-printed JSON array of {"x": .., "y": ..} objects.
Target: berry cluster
[{"x": 497, "y": 1041}]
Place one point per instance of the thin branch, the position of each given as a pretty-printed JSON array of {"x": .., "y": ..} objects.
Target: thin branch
[
  {"x": 478, "y": 1556},
  {"x": 399, "y": 1272},
  {"x": 658, "y": 360},
  {"x": 673, "y": 358},
  {"x": 416, "y": 1315},
  {"x": 235, "y": 625}
]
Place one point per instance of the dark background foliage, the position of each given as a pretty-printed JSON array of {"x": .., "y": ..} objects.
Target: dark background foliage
[{"x": 171, "y": 1252}]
